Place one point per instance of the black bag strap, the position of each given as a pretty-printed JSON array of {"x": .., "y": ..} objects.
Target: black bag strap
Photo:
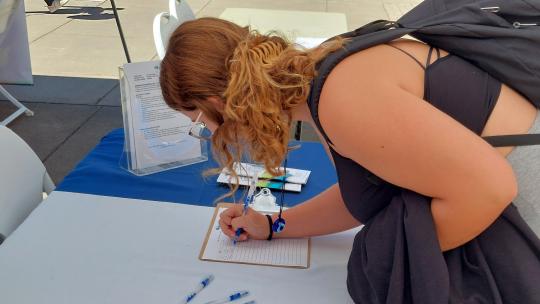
[
  {"x": 375, "y": 26},
  {"x": 513, "y": 140},
  {"x": 381, "y": 31}
]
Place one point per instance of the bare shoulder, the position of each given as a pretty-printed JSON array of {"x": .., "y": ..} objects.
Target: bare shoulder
[
  {"x": 383, "y": 64},
  {"x": 371, "y": 65},
  {"x": 357, "y": 82},
  {"x": 375, "y": 68}
]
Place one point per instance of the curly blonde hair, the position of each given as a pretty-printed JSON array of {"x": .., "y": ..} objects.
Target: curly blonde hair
[{"x": 260, "y": 78}]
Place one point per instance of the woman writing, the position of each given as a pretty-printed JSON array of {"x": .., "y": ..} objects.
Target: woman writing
[{"x": 401, "y": 122}]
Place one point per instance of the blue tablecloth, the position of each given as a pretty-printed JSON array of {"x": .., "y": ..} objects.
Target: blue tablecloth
[{"x": 100, "y": 173}]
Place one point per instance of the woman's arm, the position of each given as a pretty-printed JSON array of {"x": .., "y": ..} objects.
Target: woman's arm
[
  {"x": 323, "y": 214},
  {"x": 408, "y": 142}
]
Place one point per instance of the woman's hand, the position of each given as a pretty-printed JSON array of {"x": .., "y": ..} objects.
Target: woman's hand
[{"x": 255, "y": 224}]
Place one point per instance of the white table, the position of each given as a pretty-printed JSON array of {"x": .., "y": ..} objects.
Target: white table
[{"x": 78, "y": 248}]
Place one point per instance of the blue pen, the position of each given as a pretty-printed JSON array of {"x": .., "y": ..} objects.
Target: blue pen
[
  {"x": 247, "y": 200},
  {"x": 200, "y": 287},
  {"x": 233, "y": 297}
]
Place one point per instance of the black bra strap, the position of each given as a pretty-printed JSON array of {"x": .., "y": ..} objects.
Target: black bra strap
[
  {"x": 428, "y": 61},
  {"x": 406, "y": 53}
]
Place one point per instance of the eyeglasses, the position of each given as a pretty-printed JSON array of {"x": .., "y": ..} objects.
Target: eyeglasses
[{"x": 199, "y": 129}]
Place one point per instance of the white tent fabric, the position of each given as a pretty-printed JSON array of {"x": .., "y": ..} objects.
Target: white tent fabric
[{"x": 15, "y": 66}]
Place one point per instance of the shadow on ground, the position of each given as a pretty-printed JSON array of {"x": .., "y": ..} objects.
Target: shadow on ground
[{"x": 82, "y": 12}]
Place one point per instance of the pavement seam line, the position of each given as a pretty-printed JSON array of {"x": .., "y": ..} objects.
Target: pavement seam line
[
  {"x": 55, "y": 103},
  {"x": 106, "y": 93},
  {"x": 202, "y": 8},
  {"x": 61, "y": 25},
  {"x": 71, "y": 134}
]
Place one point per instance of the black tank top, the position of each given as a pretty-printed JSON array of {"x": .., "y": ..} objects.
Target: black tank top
[{"x": 454, "y": 86}]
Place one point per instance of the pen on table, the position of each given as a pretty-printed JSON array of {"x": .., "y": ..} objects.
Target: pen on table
[
  {"x": 247, "y": 200},
  {"x": 200, "y": 287},
  {"x": 233, "y": 297}
]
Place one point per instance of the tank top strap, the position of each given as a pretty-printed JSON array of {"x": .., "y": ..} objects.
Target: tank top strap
[
  {"x": 408, "y": 54},
  {"x": 430, "y": 53}
]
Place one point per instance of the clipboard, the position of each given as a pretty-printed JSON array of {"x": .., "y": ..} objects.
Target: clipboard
[{"x": 295, "y": 252}]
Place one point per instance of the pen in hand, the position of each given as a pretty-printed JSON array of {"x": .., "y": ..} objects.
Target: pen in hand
[
  {"x": 247, "y": 200},
  {"x": 200, "y": 287},
  {"x": 233, "y": 297}
]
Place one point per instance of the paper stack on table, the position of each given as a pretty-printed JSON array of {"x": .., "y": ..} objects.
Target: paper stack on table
[{"x": 294, "y": 178}]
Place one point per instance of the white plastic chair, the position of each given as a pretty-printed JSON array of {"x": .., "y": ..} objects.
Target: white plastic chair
[
  {"x": 165, "y": 23},
  {"x": 23, "y": 179}
]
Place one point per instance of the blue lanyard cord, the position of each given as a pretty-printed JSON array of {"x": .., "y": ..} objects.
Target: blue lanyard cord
[{"x": 282, "y": 198}]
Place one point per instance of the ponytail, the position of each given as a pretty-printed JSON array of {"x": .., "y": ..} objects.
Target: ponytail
[{"x": 268, "y": 77}]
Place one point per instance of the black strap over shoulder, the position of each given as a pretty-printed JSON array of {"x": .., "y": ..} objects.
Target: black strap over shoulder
[
  {"x": 513, "y": 140},
  {"x": 375, "y": 26},
  {"x": 371, "y": 34}
]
